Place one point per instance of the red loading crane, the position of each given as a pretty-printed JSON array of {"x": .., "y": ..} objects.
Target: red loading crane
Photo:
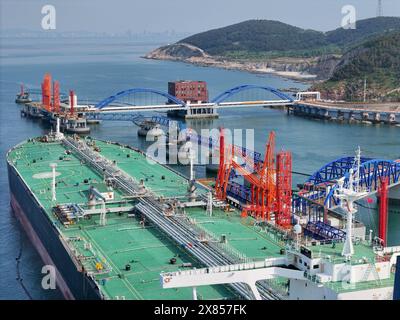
[
  {"x": 56, "y": 96},
  {"x": 258, "y": 207},
  {"x": 271, "y": 187},
  {"x": 263, "y": 185},
  {"x": 71, "y": 98},
  {"x": 224, "y": 167},
  {"x": 383, "y": 209},
  {"x": 262, "y": 182},
  {"x": 267, "y": 175},
  {"x": 283, "y": 189},
  {"x": 46, "y": 92},
  {"x": 22, "y": 90},
  {"x": 221, "y": 167}
]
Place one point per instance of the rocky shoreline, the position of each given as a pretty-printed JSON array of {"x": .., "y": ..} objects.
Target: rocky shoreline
[{"x": 300, "y": 69}]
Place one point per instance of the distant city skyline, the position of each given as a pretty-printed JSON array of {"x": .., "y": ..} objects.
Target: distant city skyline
[{"x": 182, "y": 16}]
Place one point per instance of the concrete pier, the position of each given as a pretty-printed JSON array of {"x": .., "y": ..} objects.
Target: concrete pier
[
  {"x": 386, "y": 113},
  {"x": 207, "y": 112},
  {"x": 69, "y": 123}
]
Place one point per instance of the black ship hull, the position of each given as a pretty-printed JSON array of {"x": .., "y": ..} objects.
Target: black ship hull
[{"x": 72, "y": 282}]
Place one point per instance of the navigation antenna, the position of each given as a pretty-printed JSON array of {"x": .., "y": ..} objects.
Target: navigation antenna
[
  {"x": 53, "y": 167},
  {"x": 192, "y": 186},
  {"x": 379, "y": 12},
  {"x": 58, "y": 135},
  {"x": 350, "y": 194},
  {"x": 210, "y": 204},
  {"x": 358, "y": 166}
]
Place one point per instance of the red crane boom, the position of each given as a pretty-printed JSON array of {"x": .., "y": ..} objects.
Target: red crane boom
[
  {"x": 46, "y": 92},
  {"x": 271, "y": 186}
]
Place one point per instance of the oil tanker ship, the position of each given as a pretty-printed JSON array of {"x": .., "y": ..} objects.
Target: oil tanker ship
[{"x": 118, "y": 226}]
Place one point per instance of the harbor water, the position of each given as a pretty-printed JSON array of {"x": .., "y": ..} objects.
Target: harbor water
[{"x": 97, "y": 68}]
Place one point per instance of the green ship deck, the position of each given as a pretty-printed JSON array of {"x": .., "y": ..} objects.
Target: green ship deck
[{"x": 124, "y": 240}]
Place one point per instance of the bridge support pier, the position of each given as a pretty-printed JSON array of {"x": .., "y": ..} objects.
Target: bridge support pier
[
  {"x": 347, "y": 113},
  {"x": 352, "y": 117},
  {"x": 326, "y": 114},
  {"x": 377, "y": 117},
  {"x": 195, "y": 113},
  {"x": 365, "y": 116},
  {"x": 392, "y": 118}
]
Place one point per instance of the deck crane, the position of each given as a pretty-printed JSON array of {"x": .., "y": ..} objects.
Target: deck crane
[
  {"x": 220, "y": 183},
  {"x": 270, "y": 184},
  {"x": 263, "y": 185}
]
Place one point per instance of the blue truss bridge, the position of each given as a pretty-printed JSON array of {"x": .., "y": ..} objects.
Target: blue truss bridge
[
  {"x": 154, "y": 100},
  {"x": 132, "y": 99},
  {"x": 323, "y": 184},
  {"x": 122, "y": 105}
]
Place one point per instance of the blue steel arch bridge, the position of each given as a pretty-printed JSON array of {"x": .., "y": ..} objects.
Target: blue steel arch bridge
[
  {"x": 130, "y": 100},
  {"x": 323, "y": 184},
  {"x": 224, "y": 96},
  {"x": 320, "y": 190},
  {"x": 123, "y": 104},
  {"x": 117, "y": 100}
]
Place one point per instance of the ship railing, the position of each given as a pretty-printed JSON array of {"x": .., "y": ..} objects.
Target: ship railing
[
  {"x": 282, "y": 289},
  {"x": 223, "y": 245},
  {"x": 393, "y": 249},
  {"x": 230, "y": 267},
  {"x": 274, "y": 234},
  {"x": 215, "y": 240},
  {"x": 96, "y": 256},
  {"x": 343, "y": 286}
]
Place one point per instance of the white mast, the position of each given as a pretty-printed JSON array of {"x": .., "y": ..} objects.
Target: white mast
[
  {"x": 358, "y": 165},
  {"x": 348, "y": 248},
  {"x": 58, "y": 126},
  {"x": 191, "y": 158},
  {"x": 53, "y": 184},
  {"x": 103, "y": 212},
  {"x": 58, "y": 134},
  {"x": 210, "y": 204},
  {"x": 191, "y": 188},
  {"x": 348, "y": 196},
  {"x": 103, "y": 219}
]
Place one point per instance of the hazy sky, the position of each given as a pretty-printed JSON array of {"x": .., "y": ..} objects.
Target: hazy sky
[{"x": 182, "y": 15}]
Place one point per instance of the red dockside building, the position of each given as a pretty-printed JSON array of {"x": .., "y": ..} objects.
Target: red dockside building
[{"x": 186, "y": 90}]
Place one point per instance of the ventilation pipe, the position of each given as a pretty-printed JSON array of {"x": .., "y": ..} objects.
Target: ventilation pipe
[{"x": 53, "y": 185}]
